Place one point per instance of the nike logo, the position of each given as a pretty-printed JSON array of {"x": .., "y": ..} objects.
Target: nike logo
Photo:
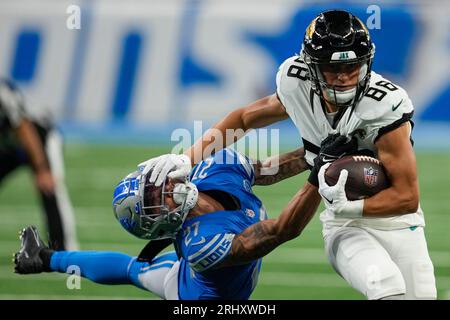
[
  {"x": 396, "y": 107},
  {"x": 202, "y": 240},
  {"x": 329, "y": 201},
  {"x": 325, "y": 159}
]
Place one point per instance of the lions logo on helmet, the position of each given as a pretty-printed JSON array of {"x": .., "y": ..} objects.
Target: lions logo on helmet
[
  {"x": 126, "y": 204},
  {"x": 140, "y": 206}
]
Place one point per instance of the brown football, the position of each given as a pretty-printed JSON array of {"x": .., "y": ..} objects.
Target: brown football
[{"x": 366, "y": 176}]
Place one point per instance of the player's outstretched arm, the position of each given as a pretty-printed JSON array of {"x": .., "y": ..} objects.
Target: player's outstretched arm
[
  {"x": 261, "y": 238},
  {"x": 396, "y": 153},
  {"x": 260, "y": 113},
  {"x": 257, "y": 114},
  {"x": 280, "y": 167},
  {"x": 28, "y": 136}
]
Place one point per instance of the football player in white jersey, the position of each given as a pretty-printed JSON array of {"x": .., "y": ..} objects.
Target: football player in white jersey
[{"x": 329, "y": 90}]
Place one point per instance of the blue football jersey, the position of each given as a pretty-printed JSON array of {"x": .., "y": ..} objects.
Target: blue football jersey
[{"x": 205, "y": 240}]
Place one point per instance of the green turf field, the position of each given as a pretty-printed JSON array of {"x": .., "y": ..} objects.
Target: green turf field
[{"x": 296, "y": 270}]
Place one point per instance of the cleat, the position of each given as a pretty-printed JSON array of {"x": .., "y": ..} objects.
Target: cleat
[{"x": 27, "y": 260}]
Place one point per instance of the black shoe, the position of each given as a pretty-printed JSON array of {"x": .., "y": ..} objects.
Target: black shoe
[{"x": 27, "y": 260}]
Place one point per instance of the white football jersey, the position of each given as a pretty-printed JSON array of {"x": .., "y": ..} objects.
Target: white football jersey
[
  {"x": 383, "y": 108},
  {"x": 12, "y": 106}
]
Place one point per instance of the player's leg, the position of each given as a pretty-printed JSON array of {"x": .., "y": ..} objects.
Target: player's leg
[
  {"x": 118, "y": 268},
  {"x": 98, "y": 266},
  {"x": 408, "y": 249},
  {"x": 102, "y": 267},
  {"x": 160, "y": 276},
  {"x": 53, "y": 221},
  {"x": 14, "y": 157},
  {"x": 364, "y": 263},
  {"x": 58, "y": 207}
]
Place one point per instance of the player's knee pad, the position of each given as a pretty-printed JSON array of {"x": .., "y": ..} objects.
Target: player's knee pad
[
  {"x": 365, "y": 264},
  {"x": 423, "y": 283},
  {"x": 152, "y": 276},
  {"x": 384, "y": 281},
  {"x": 171, "y": 283}
]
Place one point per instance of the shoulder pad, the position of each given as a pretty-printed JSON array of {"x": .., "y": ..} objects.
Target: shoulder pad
[
  {"x": 12, "y": 103},
  {"x": 383, "y": 99},
  {"x": 292, "y": 73}
]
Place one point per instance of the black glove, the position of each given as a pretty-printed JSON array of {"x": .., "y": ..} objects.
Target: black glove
[{"x": 332, "y": 148}]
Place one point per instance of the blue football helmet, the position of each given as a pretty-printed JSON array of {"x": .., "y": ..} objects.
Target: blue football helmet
[{"x": 140, "y": 206}]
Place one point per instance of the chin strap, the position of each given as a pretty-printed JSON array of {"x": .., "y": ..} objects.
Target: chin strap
[
  {"x": 185, "y": 192},
  {"x": 341, "y": 97}
]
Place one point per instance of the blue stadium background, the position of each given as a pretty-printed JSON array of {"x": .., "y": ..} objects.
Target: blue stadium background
[{"x": 39, "y": 51}]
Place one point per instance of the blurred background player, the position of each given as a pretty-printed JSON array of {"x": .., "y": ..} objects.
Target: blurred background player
[{"x": 35, "y": 142}]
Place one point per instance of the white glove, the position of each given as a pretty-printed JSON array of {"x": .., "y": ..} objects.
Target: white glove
[
  {"x": 162, "y": 165},
  {"x": 335, "y": 198}
]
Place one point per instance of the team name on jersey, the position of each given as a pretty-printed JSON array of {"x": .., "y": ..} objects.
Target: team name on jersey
[{"x": 211, "y": 253}]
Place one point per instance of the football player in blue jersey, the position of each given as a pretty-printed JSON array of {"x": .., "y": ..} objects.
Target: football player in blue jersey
[{"x": 218, "y": 226}]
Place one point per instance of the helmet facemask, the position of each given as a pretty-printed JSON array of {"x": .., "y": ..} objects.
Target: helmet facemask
[
  {"x": 142, "y": 210},
  {"x": 338, "y": 40},
  {"x": 156, "y": 216},
  {"x": 340, "y": 96}
]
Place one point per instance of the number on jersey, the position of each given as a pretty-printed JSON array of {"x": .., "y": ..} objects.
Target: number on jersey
[
  {"x": 297, "y": 71},
  {"x": 378, "y": 94}
]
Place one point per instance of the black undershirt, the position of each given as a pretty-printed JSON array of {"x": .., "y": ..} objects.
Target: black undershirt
[{"x": 228, "y": 201}]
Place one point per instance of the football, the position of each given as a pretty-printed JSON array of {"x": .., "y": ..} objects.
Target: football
[{"x": 366, "y": 176}]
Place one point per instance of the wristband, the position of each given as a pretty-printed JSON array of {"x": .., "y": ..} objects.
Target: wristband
[{"x": 354, "y": 209}]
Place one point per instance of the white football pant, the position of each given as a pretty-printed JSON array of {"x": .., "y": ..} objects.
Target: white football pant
[
  {"x": 161, "y": 276},
  {"x": 380, "y": 263}
]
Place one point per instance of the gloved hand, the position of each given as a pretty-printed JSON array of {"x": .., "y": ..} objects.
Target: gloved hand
[
  {"x": 162, "y": 165},
  {"x": 335, "y": 198},
  {"x": 334, "y": 146}
]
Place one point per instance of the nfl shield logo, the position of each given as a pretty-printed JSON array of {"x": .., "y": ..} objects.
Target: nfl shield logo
[
  {"x": 370, "y": 176},
  {"x": 250, "y": 213}
]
